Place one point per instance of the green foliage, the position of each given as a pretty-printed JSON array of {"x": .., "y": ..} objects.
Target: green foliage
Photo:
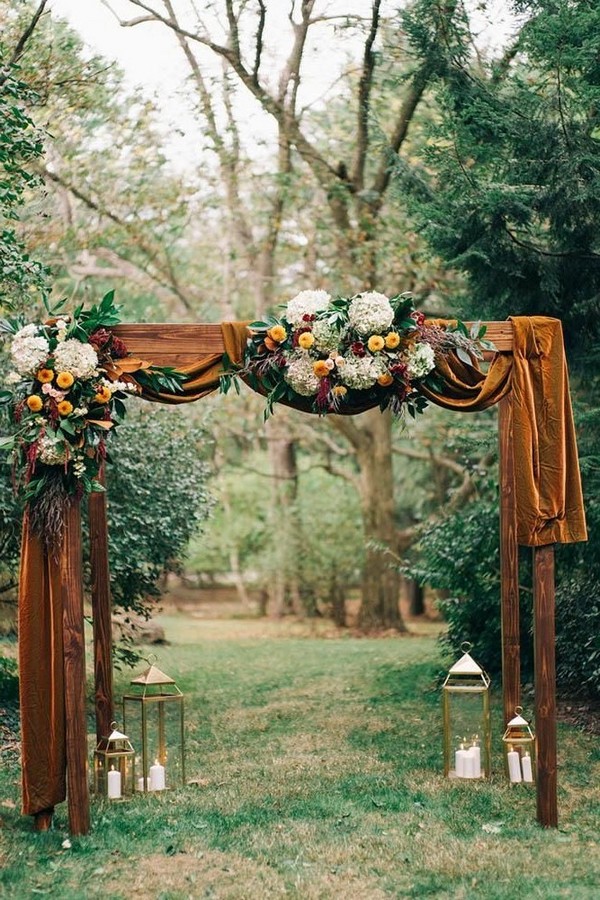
[
  {"x": 20, "y": 145},
  {"x": 157, "y": 500},
  {"x": 9, "y": 680},
  {"x": 578, "y": 635},
  {"x": 460, "y": 556}
]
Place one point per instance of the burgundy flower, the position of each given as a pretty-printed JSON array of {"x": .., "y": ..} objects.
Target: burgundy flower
[
  {"x": 99, "y": 338},
  {"x": 307, "y": 317},
  {"x": 118, "y": 350},
  {"x": 399, "y": 369},
  {"x": 358, "y": 348},
  {"x": 419, "y": 317}
]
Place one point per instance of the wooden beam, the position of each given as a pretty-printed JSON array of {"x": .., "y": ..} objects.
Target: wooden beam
[
  {"x": 509, "y": 563},
  {"x": 179, "y": 345},
  {"x": 101, "y": 612},
  {"x": 74, "y": 670},
  {"x": 545, "y": 685}
]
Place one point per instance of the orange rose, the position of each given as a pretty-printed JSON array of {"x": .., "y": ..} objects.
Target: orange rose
[
  {"x": 392, "y": 340},
  {"x": 320, "y": 368},
  {"x": 385, "y": 379},
  {"x": 45, "y": 376},
  {"x": 34, "y": 403},
  {"x": 306, "y": 340},
  {"x": 103, "y": 396},
  {"x": 64, "y": 408},
  {"x": 375, "y": 343},
  {"x": 270, "y": 344},
  {"x": 64, "y": 380},
  {"x": 277, "y": 333},
  {"x": 340, "y": 391}
]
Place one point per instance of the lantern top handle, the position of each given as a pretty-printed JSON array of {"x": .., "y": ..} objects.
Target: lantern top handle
[
  {"x": 518, "y": 710},
  {"x": 466, "y": 646}
]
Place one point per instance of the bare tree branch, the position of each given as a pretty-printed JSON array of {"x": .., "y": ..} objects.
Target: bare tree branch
[
  {"x": 22, "y": 42},
  {"x": 364, "y": 93}
]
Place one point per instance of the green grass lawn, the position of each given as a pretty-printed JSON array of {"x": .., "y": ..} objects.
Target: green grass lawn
[{"x": 315, "y": 773}]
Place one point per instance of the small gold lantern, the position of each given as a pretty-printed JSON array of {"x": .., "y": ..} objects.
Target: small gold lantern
[
  {"x": 519, "y": 750},
  {"x": 154, "y": 714},
  {"x": 466, "y": 716},
  {"x": 114, "y": 766}
]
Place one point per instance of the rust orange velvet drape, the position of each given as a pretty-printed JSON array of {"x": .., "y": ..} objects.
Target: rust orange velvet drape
[{"x": 548, "y": 494}]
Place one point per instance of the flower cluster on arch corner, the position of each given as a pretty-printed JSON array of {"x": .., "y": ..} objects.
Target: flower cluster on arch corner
[
  {"x": 66, "y": 391},
  {"x": 353, "y": 352}
]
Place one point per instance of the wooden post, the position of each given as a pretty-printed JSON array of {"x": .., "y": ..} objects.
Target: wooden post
[
  {"x": 545, "y": 684},
  {"x": 509, "y": 564},
  {"x": 74, "y": 669},
  {"x": 101, "y": 610}
]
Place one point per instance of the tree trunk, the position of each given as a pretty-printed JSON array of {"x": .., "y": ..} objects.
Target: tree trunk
[
  {"x": 381, "y": 580},
  {"x": 414, "y": 593},
  {"x": 337, "y": 600}
]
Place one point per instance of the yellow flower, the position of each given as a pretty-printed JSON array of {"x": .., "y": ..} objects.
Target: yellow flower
[
  {"x": 277, "y": 333},
  {"x": 392, "y": 340},
  {"x": 45, "y": 376},
  {"x": 385, "y": 379},
  {"x": 320, "y": 368},
  {"x": 103, "y": 395},
  {"x": 306, "y": 340},
  {"x": 340, "y": 391},
  {"x": 375, "y": 343},
  {"x": 34, "y": 403},
  {"x": 64, "y": 408},
  {"x": 64, "y": 380}
]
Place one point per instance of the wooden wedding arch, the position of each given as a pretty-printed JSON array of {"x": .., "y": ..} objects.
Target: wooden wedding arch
[{"x": 184, "y": 345}]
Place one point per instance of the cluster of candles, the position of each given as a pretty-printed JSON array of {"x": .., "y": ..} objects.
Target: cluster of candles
[
  {"x": 155, "y": 781},
  {"x": 467, "y": 759},
  {"x": 519, "y": 767}
]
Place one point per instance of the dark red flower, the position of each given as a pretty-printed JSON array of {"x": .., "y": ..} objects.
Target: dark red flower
[
  {"x": 307, "y": 317},
  {"x": 419, "y": 317},
  {"x": 399, "y": 369},
  {"x": 358, "y": 348},
  {"x": 118, "y": 350},
  {"x": 99, "y": 338}
]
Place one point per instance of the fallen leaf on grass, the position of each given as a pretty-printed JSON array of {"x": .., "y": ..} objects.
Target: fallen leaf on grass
[{"x": 492, "y": 827}]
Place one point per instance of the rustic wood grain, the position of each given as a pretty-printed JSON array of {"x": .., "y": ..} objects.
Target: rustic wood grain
[
  {"x": 509, "y": 564},
  {"x": 101, "y": 611},
  {"x": 545, "y": 685},
  {"x": 74, "y": 670}
]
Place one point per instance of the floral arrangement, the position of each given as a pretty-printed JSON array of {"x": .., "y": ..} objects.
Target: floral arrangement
[
  {"x": 70, "y": 378},
  {"x": 347, "y": 354}
]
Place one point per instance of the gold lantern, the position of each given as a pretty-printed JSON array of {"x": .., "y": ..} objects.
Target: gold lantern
[
  {"x": 114, "y": 766},
  {"x": 154, "y": 714},
  {"x": 519, "y": 750},
  {"x": 466, "y": 715}
]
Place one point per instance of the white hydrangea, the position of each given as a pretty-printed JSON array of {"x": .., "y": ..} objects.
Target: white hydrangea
[
  {"x": 52, "y": 451},
  {"x": 420, "y": 360},
  {"x": 370, "y": 313},
  {"x": 13, "y": 378},
  {"x": 300, "y": 376},
  {"x": 306, "y": 303},
  {"x": 29, "y": 350},
  {"x": 327, "y": 337},
  {"x": 77, "y": 358},
  {"x": 361, "y": 373}
]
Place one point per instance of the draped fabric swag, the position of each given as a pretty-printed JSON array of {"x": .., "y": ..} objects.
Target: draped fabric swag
[{"x": 548, "y": 496}]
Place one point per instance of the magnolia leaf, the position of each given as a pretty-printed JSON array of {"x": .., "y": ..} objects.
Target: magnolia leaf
[{"x": 100, "y": 423}]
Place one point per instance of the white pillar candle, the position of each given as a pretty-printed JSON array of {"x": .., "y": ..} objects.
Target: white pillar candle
[
  {"x": 526, "y": 766},
  {"x": 469, "y": 765},
  {"x": 157, "y": 777},
  {"x": 514, "y": 766},
  {"x": 459, "y": 762},
  {"x": 114, "y": 784},
  {"x": 475, "y": 754}
]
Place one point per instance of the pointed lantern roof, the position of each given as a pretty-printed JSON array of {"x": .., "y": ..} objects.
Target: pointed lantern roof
[
  {"x": 152, "y": 675},
  {"x": 466, "y": 665}
]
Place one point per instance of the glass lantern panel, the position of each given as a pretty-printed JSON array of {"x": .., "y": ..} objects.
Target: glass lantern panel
[
  {"x": 467, "y": 731},
  {"x": 155, "y": 729}
]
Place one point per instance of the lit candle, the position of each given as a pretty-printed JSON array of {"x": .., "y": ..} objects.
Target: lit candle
[
  {"x": 526, "y": 766},
  {"x": 514, "y": 765},
  {"x": 475, "y": 752},
  {"x": 114, "y": 784},
  {"x": 157, "y": 777},
  {"x": 459, "y": 762}
]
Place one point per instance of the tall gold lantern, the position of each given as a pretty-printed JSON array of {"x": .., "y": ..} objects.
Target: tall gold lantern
[
  {"x": 153, "y": 714},
  {"x": 466, "y": 717},
  {"x": 114, "y": 766},
  {"x": 519, "y": 750}
]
